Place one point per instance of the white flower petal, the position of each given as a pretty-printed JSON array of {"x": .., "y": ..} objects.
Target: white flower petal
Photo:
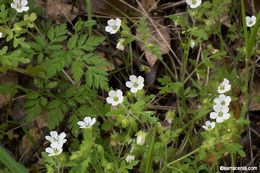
[
  {"x": 49, "y": 150},
  {"x": 119, "y": 93},
  {"x": 129, "y": 84},
  {"x": 118, "y": 22},
  {"x": 213, "y": 115},
  {"x": 108, "y": 29},
  {"x": 140, "y": 80},
  {"x": 25, "y": 8},
  {"x": 111, "y": 22},
  {"x": 54, "y": 134},
  {"x": 109, "y": 100},
  {"x": 24, "y": 2},
  {"x": 133, "y": 78},
  {"x": 112, "y": 93},
  {"x": 81, "y": 123},
  {"x": 13, "y": 5},
  {"x": 134, "y": 90},
  {"x": 87, "y": 120}
]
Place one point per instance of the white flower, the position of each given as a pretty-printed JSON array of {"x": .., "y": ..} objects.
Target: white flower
[
  {"x": 209, "y": 125},
  {"x": 20, "y": 5},
  {"x": 113, "y": 25},
  {"x": 1, "y": 34},
  {"x": 55, "y": 149},
  {"x": 140, "y": 139},
  {"x": 56, "y": 138},
  {"x": 222, "y": 101},
  {"x": 194, "y": 3},
  {"x": 220, "y": 114},
  {"x": 130, "y": 158},
  {"x": 250, "y": 21},
  {"x": 224, "y": 86},
  {"x": 135, "y": 84},
  {"x": 115, "y": 97},
  {"x": 120, "y": 44},
  {"x": 88, "y": 122}
]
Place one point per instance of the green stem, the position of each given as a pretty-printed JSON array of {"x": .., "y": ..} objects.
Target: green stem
[{"x": 183, "y": 157}]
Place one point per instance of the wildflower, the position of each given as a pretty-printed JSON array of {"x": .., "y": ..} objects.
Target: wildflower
[
  {"x": 250, "y": 21},
  {"x": 224, "y": 86},
  {"x": 113, "y": 25},
  {"x": 87, "y": 123},
  {"x": 130, "y": 158},
  {"x": 20, "y": 5},
  {"x": 209, "y": 125},
  {"x": 194, "y": 3},
  {"x": 115, "y": 97},
  {"x": 140, "y": 139},
  {"x": 56, "y": 138},
  {"x": 135, "y": 84},
  {"x": 1, "y": 34},
  {"x": 55, "y": 149},
  {"x": 220, "y": 114},
  {"x": 120, "y": 44},
  {"x": 222, "y": 100}
]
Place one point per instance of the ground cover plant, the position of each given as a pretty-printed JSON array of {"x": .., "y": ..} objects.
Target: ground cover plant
[{"x": 129, "y": 86}]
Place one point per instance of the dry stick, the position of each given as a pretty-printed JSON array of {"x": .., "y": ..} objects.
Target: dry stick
[
  {"x": 146, "y": 14},
  {"x": 166, "y": 6},
  {"x": 68, "y": 76},
  {"x": 250, "y": 140},
  {"x": 253, "y": 6}
]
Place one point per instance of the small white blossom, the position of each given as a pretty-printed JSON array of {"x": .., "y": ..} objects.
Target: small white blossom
[
  {"x": 222, "y": 100},
  {"x": 220, "y": 114},
  {"x": 250, "y": 21},
  {"x": 20, "y": 5},
  {"x": 55, "y": 149},
  {"x": 56, "y": 138},
  {"x": 130, "y": 158},
  {"x": 120, "y": 44},
  {"x": 209, "y": 125},
  {"x": 135, "y": 84},
  {"x": 224, "y": 86},
  {"x": 113, "y": 25},
  {"x": 1, "y": 34},
  {"x": 87, "y": 123},
  {"x": 194, "y": 3},
  {"x": 140, "y": 139},
  {"x": 115, "y": 97}
]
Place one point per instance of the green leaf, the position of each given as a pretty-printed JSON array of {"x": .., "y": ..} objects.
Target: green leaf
[
  {"x": 57, "y": 33},
  {"x": 56, "y": 111},
  {"x": 72, "y": 43},
  {"x": 73, "y": 125},
  {"x": 9, "y": 162},
  {"x": 92, "y": 43},
  {"x": 77, "y": 70}
]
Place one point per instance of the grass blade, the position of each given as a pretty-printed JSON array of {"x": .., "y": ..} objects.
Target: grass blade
[{"x": 10, "y": 163}]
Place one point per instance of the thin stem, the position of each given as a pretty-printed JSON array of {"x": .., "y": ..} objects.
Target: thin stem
[
  {"x": 89, "y": 11},
  {"x": 183, "y": 157}
]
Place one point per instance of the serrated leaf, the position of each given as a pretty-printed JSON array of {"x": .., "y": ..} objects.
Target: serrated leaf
[{"x": 77, "y": 70}]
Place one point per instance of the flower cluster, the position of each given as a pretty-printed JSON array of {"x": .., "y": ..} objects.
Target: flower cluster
[
  {"x": 57, "y": 141},
  {"x": 250, "y": 21},
  {"x": 221, "y": 108},
  {"x": 20, "y": 5},
  {"x": 115, "y": 97}
]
